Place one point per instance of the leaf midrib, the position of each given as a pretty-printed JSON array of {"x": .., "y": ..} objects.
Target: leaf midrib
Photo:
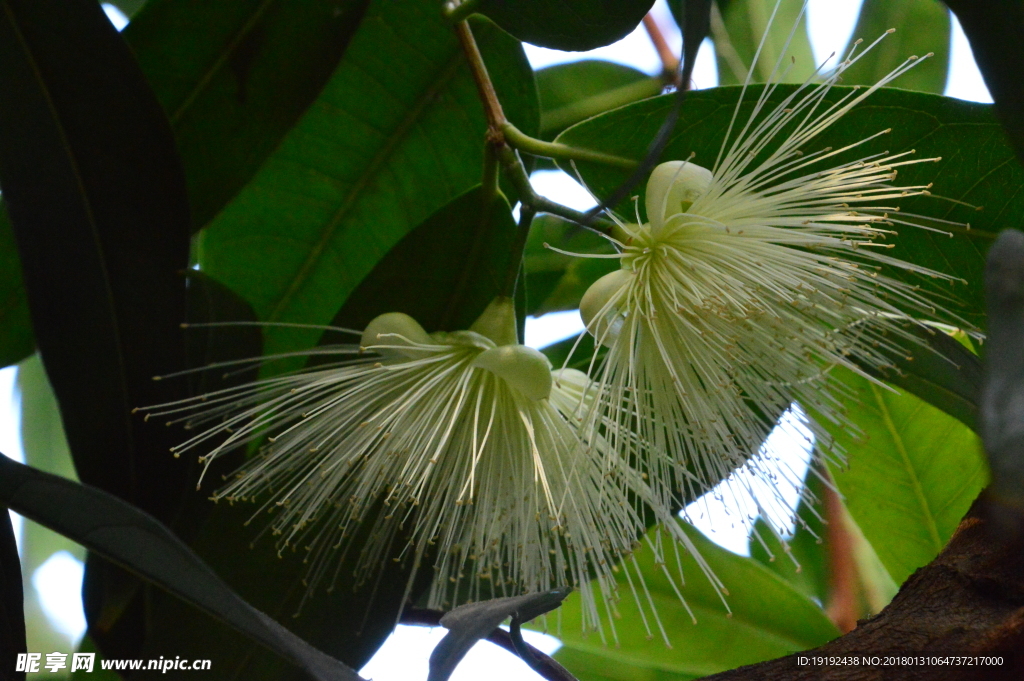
[
  {"x": 218, "y": 64},
  {"x": 93, "y": 230},
  {"x": 399, "y": 133},
  {"x": 900, "y": 447}
]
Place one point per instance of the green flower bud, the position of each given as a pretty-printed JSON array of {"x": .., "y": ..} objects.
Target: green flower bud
[
  {"x": 397, "y": 331},
  {"x": 498, "y": 322},
  {"x": 601, "y": 306},
  {"x": 525, "y": 369},
  {"x": 673, "y": 188}
]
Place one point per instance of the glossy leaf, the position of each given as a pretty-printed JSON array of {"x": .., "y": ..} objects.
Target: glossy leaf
[
  {"x": 976, "y": 166},
  {"x": 234, "y": 77},
  {"x": 738, "y": 29},
  {"x": 70, "y": 86},
  {"x": 16, "y": 341},
  {"x": 374, "y": 157},
  {"x": 770, "y": 618},
  {"x": 573, "y": 25},
  {"x": 572, "y": 92},
  {"x": 555, "y": 281},
  {"x": 940, "y": 371},
  {"x": 922, "y": 27},
  {"x": 911, "y": 472},
  {"x": 137, "y": 541},
  {"x": 12, "y": 612},
  {"x": 994, "y": 29},
  {"x": 443, "y": 273}
]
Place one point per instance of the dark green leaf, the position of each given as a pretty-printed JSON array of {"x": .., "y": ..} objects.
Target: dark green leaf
[
  {"x": 572, "y": 92},
  {"x": 769, "y": 619},
  {"x": 940, "y": 371},
  {"x": 738, "y": 29},
  {"x": 994, "y": 29},
  {"x": 443, "y": 273},
  {"x": 12, "y": 611},
  {"x": 234, "y": 336},
  {"x": 16, "y": 342},
  {"x": 922, "y": 26},
  {"x": 469, "y": 623},
  {"x": 96, "y": 194},
  {"x": 574, "y": 25},
  {"x": 911, "y": 472},
  {"x": 137, "y": 541},
  {"x": 555, "y": 281},
  {"x": 234, "y": 77},
  {"x": 396, "y": 134},
  {"x": 977, "y": 166}
]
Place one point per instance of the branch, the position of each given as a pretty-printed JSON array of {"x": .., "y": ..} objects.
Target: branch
[
  {"x": 969, "y": 601},
  {"x": 543, "y": 664},
  {"x": 669, "y": 60}
]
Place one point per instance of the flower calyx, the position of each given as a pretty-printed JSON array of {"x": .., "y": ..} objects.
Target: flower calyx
[
  {"x": 602, "y": 305},
  {"x": 672, "y": 189}
]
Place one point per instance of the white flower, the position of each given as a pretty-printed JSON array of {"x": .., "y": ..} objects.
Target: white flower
[
  {"x": 456, "y": 444},
  {"x": 747, "y": 284}
]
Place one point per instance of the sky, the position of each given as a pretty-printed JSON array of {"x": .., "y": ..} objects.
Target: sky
[{"x": 404, "y": 656}]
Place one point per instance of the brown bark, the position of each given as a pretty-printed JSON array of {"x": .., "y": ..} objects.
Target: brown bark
[{"x": 969, "y": 601}]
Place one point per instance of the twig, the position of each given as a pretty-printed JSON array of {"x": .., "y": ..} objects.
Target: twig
[
  {"x": 492, "y": 106},
  {"x": 459, "y": 10},
  {"x": 531, "y": 145},
  {"x": 669, "y": 60},
  {"x": 541, "y": 663},
  {"x": 516, "y": 174},
  {"x": 842, "y": 599}
]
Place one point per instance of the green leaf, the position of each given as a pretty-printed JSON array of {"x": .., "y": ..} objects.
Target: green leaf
[
  {"x": 574, "y": 25},
  {"x": 572, "y": 92},
  {"x": 87, "y": 161},
  {"x": 137, "y": 541},
  {"x": 770, "y": 618},
  {"x": 922, "y": 26},
  {"x": 396, "y": 134},
  {"x": 976, "y": 166},
  {"x": 994, "y": 29},
  {"x": 911, "y": 472},
  {"x": 443, "y": 273},
  {"x": 16, "y": 341},
  {"x": 234, "y": 77},
  {"x": 940, "y": 371},
  {"x": 555, "y": 281},
  {"x": 737, "y": 30},
  {"x": 12, "y": 612}
]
